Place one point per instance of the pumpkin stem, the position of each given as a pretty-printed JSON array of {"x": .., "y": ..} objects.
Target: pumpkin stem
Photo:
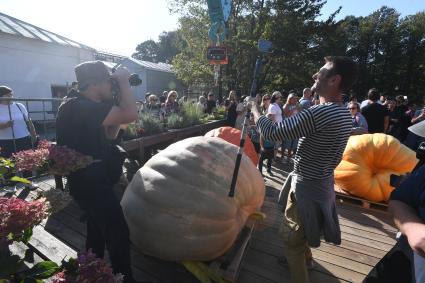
[{"x": 258, "y": 215}]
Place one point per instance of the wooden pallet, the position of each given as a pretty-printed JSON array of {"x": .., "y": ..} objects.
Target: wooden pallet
[
  {"x": 343, "y": 196},
  {"x": 228, "y": 265}
]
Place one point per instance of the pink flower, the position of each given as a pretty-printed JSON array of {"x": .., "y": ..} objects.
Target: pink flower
[
  {"x": 44, "y": 144},
  {"x": 28, "y": 160},
  {"x": 64, "y": 160},
  {"x": 61, "y": 160},
  {"x": 87, "y": 268},
  {"x": 16, "y": 215}
]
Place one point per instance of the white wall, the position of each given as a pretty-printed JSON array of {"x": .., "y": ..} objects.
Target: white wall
[{"x": 30, "y": 67}]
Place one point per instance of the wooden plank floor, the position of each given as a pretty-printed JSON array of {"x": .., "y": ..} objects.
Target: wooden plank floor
[{"x": 366, "y": 236}]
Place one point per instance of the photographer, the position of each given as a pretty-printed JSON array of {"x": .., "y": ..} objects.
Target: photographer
[
  {"x": 407, "y": 204},
  {"x": 87, "y": 124},
  {"x": 323, "y": 131}
]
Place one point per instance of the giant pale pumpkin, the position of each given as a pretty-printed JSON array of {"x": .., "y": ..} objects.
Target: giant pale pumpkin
[
  {"x": 233, "y": 136},
  {"x": 368, "y": 162},
  {"x": 177, "y": 205}
]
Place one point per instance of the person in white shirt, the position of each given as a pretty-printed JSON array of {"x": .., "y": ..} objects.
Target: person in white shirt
[
  {"x": 274, "y": 113},
  {"x": 16, "y": 129}
]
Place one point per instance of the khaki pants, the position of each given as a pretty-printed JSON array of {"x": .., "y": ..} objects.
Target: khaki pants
[{"x": 295, "y": 244}]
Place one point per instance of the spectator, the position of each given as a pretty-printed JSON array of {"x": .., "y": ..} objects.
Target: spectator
[
  {"x": 275, "y": 112},
  {"x": 210, "y": 103},
  {"x": 163, "y": 97},
  {"x": 267, "y": 153},
  {"x": 230, "y": 106},
  {"x": 171, "y": 106},
  {"x": 265, "y": 103},
  {"x": 394, "y": 124},
  {"x": 254, "y": 135},
  {"x": 358, "y": 121},
  {"x": 240, "y": 111},
  {"x": 147, "y": 98},
  {"x": 290, "y": 109},
  {"x": 408, "y": 208},
  {"x": 306, "y": 101},
  {"x": 376, "y": 115},
  {"x": 382, "y": 99},
  {"x": 17, "y": 131},
  {"x": 404, "y": 119},
  {"x": 323, "y": 131},
  {"x": 201, "y": 104},
  {"x": 153, "y": 107}
]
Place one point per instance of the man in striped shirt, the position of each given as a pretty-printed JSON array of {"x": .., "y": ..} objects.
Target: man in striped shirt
[{"x": 323, "y": 131}]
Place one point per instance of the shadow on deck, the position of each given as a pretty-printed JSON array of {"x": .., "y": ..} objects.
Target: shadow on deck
[{"x": 366, "y": 237}]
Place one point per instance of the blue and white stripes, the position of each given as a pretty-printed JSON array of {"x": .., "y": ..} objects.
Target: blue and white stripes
[{"x": 323, "y": 131}]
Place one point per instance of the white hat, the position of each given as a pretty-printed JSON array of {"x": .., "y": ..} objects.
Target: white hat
[{"x": 418, "y": 129}]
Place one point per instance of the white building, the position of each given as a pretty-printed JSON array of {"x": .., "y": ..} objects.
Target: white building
[{"x": 37, "y": 63}]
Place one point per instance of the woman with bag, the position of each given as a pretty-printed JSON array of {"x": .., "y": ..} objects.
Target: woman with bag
[{"x": 17, "y": 131}]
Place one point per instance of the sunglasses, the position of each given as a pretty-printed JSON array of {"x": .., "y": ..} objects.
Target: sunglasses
[
  {"x": 267, "y": 98},
  {"x": 352, "y": 108}
]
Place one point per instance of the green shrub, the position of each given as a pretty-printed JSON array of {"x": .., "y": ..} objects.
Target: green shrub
[
  {"x": 149, "y": 125},
  {"x": 175, "y": 121},
  {"x": 189, "y": 116}
]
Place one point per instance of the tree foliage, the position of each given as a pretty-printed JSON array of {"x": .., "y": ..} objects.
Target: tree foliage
[{"x": 390, "y": 50}]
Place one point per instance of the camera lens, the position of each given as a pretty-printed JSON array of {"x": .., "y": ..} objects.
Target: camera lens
[{"x": 134, "y": 80}]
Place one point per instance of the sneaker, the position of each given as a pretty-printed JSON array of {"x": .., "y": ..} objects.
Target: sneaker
[{"x": 270, "y": 172}]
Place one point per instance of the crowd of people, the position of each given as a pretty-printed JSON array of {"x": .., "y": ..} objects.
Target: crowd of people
[
  {"x": 311, "y": 132},
  {"x": 376, "y": 114}
]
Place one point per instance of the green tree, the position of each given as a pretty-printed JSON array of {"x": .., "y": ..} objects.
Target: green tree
[
  {"x": 389, "y": 50},
  {"x": 147, "y": 50},
  {"x": 412, "y": 71}
]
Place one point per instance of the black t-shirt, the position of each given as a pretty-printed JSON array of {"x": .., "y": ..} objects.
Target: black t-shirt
[
  {"x": 210, "y": 106},
  {"x": 231, "y": 113},
  {"x": 375, "y": 114},
  {"x": 79, "y": 126}
]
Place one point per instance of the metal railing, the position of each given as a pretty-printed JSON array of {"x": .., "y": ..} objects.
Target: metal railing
[{"x": 42, "y": 112}]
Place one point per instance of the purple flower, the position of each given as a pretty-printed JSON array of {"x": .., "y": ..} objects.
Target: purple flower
[{"x": 87, "y": 268}]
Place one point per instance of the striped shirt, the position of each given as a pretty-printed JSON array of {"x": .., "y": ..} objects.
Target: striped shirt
[{"x": 323, "y": 131}]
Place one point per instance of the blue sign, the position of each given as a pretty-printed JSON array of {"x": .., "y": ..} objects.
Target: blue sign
[{"x": 219, "y": 11}]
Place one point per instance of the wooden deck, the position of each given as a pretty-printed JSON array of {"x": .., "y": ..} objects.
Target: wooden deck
[{"x": 367, "y": 235}]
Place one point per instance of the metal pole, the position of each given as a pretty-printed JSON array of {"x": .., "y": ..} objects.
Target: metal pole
[
  {"x": 13, "y": 130},
  {"x": 44, "y": 120},
  {"x": 244, "y": 128},
  {"x": 220, "y": 87}
]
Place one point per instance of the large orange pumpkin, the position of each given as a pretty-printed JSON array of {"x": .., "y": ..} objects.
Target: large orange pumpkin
[
  {"x": 368, "y": 162},
  {"x": 177, "y": 205},
  {"x": 233, "y": 136}
]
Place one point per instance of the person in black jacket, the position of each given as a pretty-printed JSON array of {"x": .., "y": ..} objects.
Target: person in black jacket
[
  {"x": 407, "y": 204},
  {"x": 88, "y": 124}
]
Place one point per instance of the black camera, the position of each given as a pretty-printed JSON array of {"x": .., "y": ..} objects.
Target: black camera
[
  {"x": 134, "y": 80},
  {"x": 395, "y": 180}
]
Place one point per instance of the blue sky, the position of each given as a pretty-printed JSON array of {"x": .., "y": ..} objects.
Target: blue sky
[
  {"x": 118, "y": 26},
  {"x": 365, "y": 7}
]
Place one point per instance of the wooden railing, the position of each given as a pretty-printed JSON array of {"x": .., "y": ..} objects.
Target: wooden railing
[{"x": 139, "y": 148}]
